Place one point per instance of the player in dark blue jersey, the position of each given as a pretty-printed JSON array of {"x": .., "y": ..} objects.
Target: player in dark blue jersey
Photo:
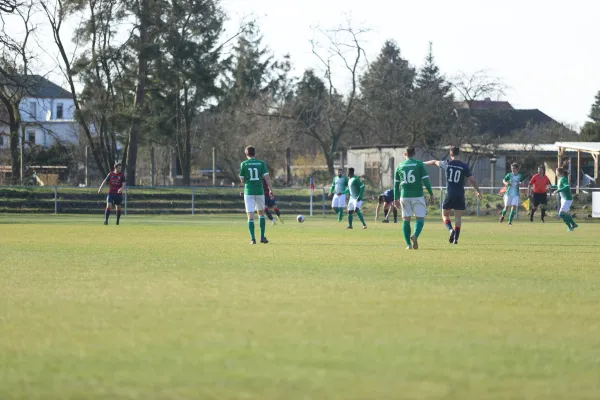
[
  {"x": 387, "y": 199},
  {"x": 457, "y": 172}
]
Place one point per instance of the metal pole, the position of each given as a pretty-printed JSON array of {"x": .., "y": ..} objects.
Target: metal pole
[
  {"x": 152, "y": 166},
  {"x": 288, "y": 166},
  {"x": 194, "y": 198},
  {"x": 22, "y": 152},
  {"x": 441, "y": 200},
  {"x": 214, "y": 167},
  {"x": 311, "y": 202},
  {"x": 87, "y": 152},
  {"x": 55, "y": 199},
  {"x": 478, "y": 207},
  {"x": 126, "y": 197}
]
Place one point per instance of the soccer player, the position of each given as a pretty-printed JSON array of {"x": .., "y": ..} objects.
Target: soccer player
[
  {"x": 566, "y": 199},
  {"x": 387, "y": 199},
  {"x": 116, "y": 185},
  {"x": 540, "y": 185},
  {"x": 408, "y": 192},
  {"x": 338, "y": 190},
  {"x": 356, "y": 190},
  {"x": 252, "y": 172},
  {"x": 457, "y": 172},
  {"x": 512, "y": 180},
  {"x": 270, "y": 203}
]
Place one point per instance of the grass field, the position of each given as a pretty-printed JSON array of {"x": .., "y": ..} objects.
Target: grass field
[{"x": 185, "y": 308}]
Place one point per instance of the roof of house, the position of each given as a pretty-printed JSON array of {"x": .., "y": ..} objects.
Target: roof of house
[
  {"x": 39, "y": 87},
  {"x": 502, "y": 122},
  {"x": 486, "y": 104}
]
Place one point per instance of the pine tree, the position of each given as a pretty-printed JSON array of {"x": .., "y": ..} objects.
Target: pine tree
[{"x": 595, "y": 111}]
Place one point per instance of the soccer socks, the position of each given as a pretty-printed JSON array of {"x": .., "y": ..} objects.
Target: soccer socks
[
  {"x": 395, "y": 215},
  {"x": 456, "y": 233},
  {"x": 340, "y": 212},
  {"x": 277, "y": 211},
  {"x": 543, "y": 213},
  {"x": 350, "y": 217},
  {"x": 268, "y": 213},
  {"x": 503, "y": 212},
  {"x": 406, "y": 231},
  {"x": 360, "y": 216},
  {"x": 263, "y": 224},
  {"x": 106, "y": 214},
  {"x": 567, "y": 219},
  {"x": 251, "y": 228},
  {"x": 419, "y": 227},
  {"x": 511, "y": 216},
  {"x": 118, "y": 216},
  {"x": 448, "y": 224}
]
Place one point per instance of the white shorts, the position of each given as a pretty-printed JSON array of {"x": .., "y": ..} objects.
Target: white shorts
[
  {"x": 565, "y": 205},
  {"x": 511, "y": 201},
  {"x": 254, "y": 202},
  {"x": 413, "y": 206},
  {"x": 338, "y": 201},
  {"x": 353, "y": 204}
]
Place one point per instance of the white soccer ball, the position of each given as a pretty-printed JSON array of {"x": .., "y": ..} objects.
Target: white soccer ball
[{"x": 300, "y": 218}]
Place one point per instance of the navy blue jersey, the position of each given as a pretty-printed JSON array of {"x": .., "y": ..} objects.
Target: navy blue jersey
[
  {"x": 456, "y": 174},
  {"x": 388, "y": 196}
]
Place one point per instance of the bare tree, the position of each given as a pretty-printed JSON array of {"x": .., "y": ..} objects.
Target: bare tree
[
  {"x": 15, "y": 82},
  {"x": 327, "y": 121},
  {"x": 479, "y": 84},
  {"x": 8, "y": 6}
]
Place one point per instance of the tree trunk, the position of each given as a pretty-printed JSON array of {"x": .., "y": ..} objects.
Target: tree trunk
[
  {"x": 140, "y": 93},
  {"x": 14, "y": 152}
]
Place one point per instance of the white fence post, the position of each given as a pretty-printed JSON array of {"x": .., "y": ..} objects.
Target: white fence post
[
  {"x": 55, "y": 199},
  {"x": 193, "y": 201}
]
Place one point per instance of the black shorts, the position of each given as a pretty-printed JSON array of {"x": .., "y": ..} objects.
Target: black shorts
[
  {"x": 114, "y": 199},
  {"x": 269, "y": 202},
  {"x": 454, "y": 203},
  {"x": 540, "y": 198}
]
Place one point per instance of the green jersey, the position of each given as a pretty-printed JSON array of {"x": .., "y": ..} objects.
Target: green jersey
[
  {"x": 253, "y": 170},
  {"x": 564, "y": 188},
  {"x": 356, "y": 188},
  {"x": 513, "y": 181},
  {"x": 339, "y": 184},
  {"x": 409, "y": 179}
]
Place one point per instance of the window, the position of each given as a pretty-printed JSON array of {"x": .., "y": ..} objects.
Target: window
[
  {"x": 31, "y": 137},
  {"x": 33, "y": 109},
  {"x": 59, "y": 111}
]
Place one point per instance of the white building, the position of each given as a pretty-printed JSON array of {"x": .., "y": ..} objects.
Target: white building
[{"x": 47, "y": 114}]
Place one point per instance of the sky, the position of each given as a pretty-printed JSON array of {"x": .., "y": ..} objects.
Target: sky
[{"x": 544, "y": 51}]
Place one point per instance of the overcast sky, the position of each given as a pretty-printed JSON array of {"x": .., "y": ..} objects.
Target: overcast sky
[{"x": 545, "y": 51}]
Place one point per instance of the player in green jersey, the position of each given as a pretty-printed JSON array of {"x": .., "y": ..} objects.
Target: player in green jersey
[
  {"x": 338, "y": 187},
  {"x": 408, "y": 193},
  {"x": 512, "y": 180},
  {"x": 356, "y": 190},
  {"x": 566, "y": 199},
  {"x": 252, "y": 172}
]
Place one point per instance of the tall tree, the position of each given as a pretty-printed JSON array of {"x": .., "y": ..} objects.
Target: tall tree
[
  {"x": 387, "y": 90},
  {"x": 590, "y": 132},
  {"x": 432, "y": 108}
]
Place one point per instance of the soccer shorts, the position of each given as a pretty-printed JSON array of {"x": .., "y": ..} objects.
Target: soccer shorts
[
  {"x": 354, "y": 204},
  {"x": 511, "y": 201},
  {"x": 565, "y": 205},
  {"x": 454, "y": 203},
  {"x": 339, "y": 200},
  {"x": 413, "y": 206},
  {"x": 540, "y": 198},
  {"x": 269, "y": 202},
  {"x": 254, "y": 202},
  {"x": 114, "y": 199}
]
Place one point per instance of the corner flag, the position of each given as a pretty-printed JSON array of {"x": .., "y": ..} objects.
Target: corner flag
[
  {"x": 312, "y": 184},
  {"x": 526, "y": 204}
]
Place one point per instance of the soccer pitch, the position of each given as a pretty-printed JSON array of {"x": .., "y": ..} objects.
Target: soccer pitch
[{"x": 185, "y": 308}]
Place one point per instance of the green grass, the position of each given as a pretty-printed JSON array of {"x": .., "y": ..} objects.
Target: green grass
[{"x": 185, "y": 308}]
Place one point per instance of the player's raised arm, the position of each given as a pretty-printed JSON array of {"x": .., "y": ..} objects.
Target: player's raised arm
[{"x": 432, "y": 162}]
